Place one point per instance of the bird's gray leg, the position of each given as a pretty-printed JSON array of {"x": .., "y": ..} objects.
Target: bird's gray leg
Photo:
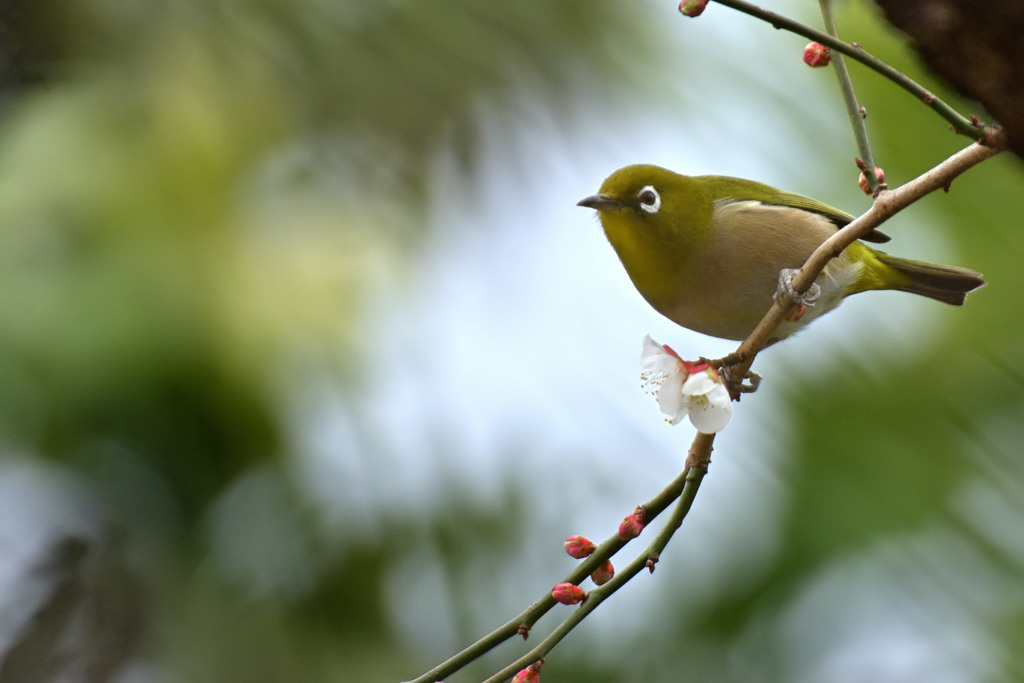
[
  {"x": 787, "y": 292},
  {"x": 747, "y": 384}
]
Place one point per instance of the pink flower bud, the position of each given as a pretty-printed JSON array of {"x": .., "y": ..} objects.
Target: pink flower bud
[
  {"x": 530, "y": 674},
  {"x": 692, "y": 8},
  {"x": 568, "y": 594},
  {"x": 816, "y": 54},
  {"x": 863, "y": 180},
  {"x": 603, "y": 574},
  {"x": 670, "y": 351},
  {"x": 631, "y": 526},
  {"x": 579, "y": 547}
]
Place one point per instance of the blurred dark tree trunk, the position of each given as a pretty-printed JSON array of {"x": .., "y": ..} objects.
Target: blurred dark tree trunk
[
  {"x": 22, "y": 48},
  {"x": 977, "y": 46}
]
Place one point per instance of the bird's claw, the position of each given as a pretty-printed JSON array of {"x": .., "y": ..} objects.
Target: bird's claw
[
  {"x": 786, "y": 291},
  {"x": 739, "y": 385},
  {"x": 720, "y": 363}
]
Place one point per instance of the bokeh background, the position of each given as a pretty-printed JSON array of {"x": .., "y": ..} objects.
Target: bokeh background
[{"x": 309, "y": 362}]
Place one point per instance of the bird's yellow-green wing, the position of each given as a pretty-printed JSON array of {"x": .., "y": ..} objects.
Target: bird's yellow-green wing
[{"x": 727, "y": 189}]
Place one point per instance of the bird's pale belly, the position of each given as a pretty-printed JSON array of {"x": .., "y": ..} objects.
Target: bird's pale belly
[{"x": 725, "y": 312}]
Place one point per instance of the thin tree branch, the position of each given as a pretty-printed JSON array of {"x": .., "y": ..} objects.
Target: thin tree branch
[
  {"x": 886, "y": 204},
  {"x": 699, "y": 456},
  {"x": 961, "y": 125},
  {"x": 853, "y": 110},
  {"x": 699, "y": 452}
]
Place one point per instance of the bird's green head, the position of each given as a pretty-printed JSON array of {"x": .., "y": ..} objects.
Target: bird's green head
[
  {"x": 652, "y": 216},
  {"x": 658, "y": 222},
  {"x": 646, "y": 192}
]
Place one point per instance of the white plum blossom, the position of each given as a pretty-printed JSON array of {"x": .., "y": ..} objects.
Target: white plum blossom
[{"x": 686, "y": 389}]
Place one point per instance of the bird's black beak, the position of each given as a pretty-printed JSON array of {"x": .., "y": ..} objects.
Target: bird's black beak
[{"x": 601, "y": 202}]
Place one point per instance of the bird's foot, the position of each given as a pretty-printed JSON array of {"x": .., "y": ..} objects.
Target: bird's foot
[
  {"x": 720, "y": 363},
  {"x": 737, "y": 386},
  {"x": 786, "y": 292},
  {"x": 747, "y": 384}
]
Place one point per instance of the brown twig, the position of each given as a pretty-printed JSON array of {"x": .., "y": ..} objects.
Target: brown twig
[{"x": 886, "y": 205}]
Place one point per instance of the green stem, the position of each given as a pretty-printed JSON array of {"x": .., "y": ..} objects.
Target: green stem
[
  {"x": 693, "y": 478},
  {"x": 960, "y": 124},
  {"x": 860, "y": 130},
  {"x": 534, "y": 612}
]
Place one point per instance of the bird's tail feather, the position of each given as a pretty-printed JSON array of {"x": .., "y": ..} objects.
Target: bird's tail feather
[{"x": 949, "y": 284}]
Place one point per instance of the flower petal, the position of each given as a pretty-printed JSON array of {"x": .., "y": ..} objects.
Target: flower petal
[
  {"x": 655, "y": 358},
  {"x": 710, "y": 412},
  {"x": 700, "y": 383},
  {"x": 671, "y": 399}
]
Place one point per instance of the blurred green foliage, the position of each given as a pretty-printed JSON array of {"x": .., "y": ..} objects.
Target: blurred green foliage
[
  {"x": 148, "y": 298},
  {"x": 198, "y": 199}
]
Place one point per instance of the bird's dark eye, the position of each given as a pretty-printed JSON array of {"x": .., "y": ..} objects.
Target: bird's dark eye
[{"x": 650, "y": 200}]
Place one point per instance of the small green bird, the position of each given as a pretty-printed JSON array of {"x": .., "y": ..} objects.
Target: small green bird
[{"x": 706, "y": 251}]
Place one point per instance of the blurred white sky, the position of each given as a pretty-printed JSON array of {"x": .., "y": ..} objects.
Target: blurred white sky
[{"x": 523, "y": 328}]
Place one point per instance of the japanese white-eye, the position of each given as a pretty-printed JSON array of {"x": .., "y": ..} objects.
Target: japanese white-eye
[{"x": 706, "y": 251}]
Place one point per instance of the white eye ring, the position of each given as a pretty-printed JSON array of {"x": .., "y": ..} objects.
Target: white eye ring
[{"x": 650, "y": 200}]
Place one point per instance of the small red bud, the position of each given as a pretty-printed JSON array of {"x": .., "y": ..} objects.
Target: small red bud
[
  {"x": 692, "y": 8},
  {"x": 530, "y": 674},
  {"x": 568, "y": 594},
  {"x": 603, "y": 574},
  {"x": 631, "y": 526},
  {"x": 579, "y": 547},
  {"x": 863, "y": 180},
  {"x": 816, "y": 54}
]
